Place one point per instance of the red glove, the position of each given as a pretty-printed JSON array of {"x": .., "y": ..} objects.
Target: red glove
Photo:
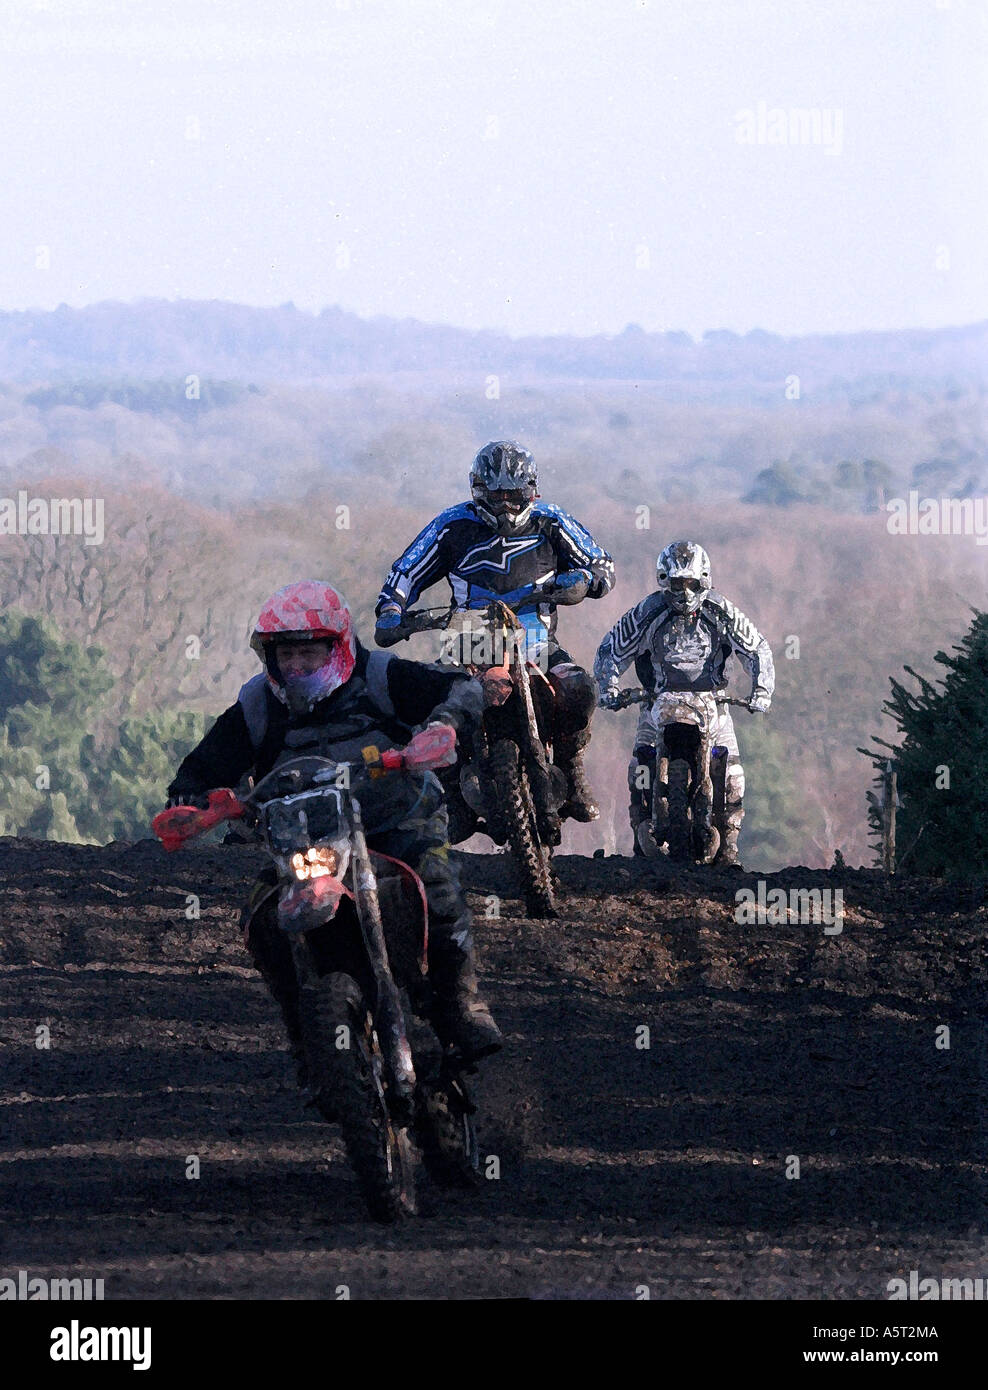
[
  {"x": 176, "y": 824},
  {"x": 433, "y": 746}
]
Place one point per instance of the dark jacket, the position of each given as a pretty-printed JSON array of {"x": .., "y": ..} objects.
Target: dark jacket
[{"x": 383, "y": 701}]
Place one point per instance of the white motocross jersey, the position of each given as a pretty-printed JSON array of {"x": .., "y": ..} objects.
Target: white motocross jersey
[{"x": 674, "y": 651}]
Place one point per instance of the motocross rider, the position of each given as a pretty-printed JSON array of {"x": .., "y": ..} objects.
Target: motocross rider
[
  {"x": 504, "y": 544},
  {"x": 680, "y": 637},
  {"x": 323, "y": 693}
]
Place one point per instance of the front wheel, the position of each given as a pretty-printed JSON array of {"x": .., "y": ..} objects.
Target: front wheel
[
  {"x": 533, "y": 857},
  {"x": 678, "y": 831},
  {"x": 445, "y": 1131},
  {"x": 346, "y": 1069}
]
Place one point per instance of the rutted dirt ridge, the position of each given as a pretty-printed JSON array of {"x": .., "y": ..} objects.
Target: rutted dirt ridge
[{"x": 620, "y": 1166}]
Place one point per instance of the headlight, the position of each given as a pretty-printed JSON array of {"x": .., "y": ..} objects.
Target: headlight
[{"x": 314, "y": 863}]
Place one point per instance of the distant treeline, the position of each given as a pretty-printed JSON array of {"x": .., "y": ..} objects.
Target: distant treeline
[
  {"x": 152, "y": 397},
  {"x": 169, "y": 598},
  {"x": 157, "y": 337},
  {"x": 222, "y": 441}
]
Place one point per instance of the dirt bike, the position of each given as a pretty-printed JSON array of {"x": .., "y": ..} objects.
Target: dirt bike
[
  {"x": 508, "y": 784},
  {"x": 356, "y": 925},
  {"x": 685, "y": 820}
]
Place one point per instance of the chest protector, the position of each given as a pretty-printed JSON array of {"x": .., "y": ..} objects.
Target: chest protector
[
  {"x": 687, "y": 653},
  {"x": 356, "y": 715}
]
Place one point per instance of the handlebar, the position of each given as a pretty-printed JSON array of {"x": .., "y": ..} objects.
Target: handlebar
[
  {"x": 425, "y": 620},
  {"x": 431, "y": 619},
  {"x": 432, "y": 747},
  {"x": 180, "y": 823},
  {"x": 635, "y": 695}
]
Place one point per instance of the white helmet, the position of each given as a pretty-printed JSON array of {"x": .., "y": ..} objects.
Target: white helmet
[{"x": 683, "y": 573}]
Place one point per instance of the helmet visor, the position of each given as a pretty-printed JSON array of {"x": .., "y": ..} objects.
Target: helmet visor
[
  {"x": 507, "y": 501},
  {"x": 308, "y": 671},
  {"x": 685, "y": 593}
]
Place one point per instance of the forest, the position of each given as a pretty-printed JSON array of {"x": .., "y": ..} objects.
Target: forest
[{"x": 217, "y": 489}]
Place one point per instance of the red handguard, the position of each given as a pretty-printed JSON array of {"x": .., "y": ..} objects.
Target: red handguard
[
  {"x": 180, "y": 823},
  {"x": 431, "y": 747}
]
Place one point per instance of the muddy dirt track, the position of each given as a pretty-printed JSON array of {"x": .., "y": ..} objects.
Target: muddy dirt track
[{"x": 619, "y": 1166}]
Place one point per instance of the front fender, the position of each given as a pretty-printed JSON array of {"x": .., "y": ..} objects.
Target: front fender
[
  {"x": 497, "y": 685},
  {"x": 311, "y": 904},
  {"x": 696, "y": 707}
]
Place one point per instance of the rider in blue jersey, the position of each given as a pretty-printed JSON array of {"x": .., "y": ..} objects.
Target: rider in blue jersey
[{"x": 504, "y": 544}]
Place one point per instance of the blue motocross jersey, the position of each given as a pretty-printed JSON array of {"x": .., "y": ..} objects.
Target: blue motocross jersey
[{"x": 480, "y": 564}]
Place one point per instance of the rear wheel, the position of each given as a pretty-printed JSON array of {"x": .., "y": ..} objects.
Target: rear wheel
[
  {"x": 533, "y": 857},
  {"x": 346, "y": 1071}
]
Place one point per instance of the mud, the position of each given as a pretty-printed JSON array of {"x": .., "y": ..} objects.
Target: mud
[{"x": 620, "y": 1166}]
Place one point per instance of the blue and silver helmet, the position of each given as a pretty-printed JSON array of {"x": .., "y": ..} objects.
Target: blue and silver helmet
[{"x": 504, "y": 485}]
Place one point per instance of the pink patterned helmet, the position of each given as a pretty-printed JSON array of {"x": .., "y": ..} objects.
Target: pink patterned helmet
[{"x": 308, "y": 611}]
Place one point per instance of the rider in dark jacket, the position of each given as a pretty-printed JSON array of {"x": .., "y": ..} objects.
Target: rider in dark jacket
[
  {"x": 323, "y": 693},
  {"x": 507, "y": 544}
]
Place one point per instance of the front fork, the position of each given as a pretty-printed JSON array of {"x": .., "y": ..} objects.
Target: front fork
[
  {"x": 389, "y": 1017},
  {"x": 523, "y": 686},
  {"x": 706, "y": 837},
  {"x": 388, "y": 1013}
]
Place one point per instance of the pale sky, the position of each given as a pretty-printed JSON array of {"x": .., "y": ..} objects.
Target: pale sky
[{"x": 524, "y": 165}]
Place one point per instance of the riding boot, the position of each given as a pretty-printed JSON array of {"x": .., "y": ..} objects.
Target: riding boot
[
  {"x": 728, "y": 855},
  {"x": 637, "y": 815},
  {"x": 462, "y": 820},
  {"x": 568, "y": 755},
  {"x": 460, "y": 1017}
]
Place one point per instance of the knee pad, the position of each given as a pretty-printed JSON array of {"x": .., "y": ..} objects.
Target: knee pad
[
  {"x": 441, "y": 883},
  {"x": 734, "y": 784},
  {"x": 576, "y": 694}
]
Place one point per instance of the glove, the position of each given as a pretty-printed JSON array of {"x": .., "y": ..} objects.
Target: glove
[
  {"x": 571, "y": 580},
  {"x": 760, "y": 704},
  {"x": 198, "y": 799},
  {"x": 429, "y": 748},
  {"x": 610, "y": 699},
  {"x": 451, "y": 757},
  {"x": 388, "y": 629},
  {"x": 565, "y": 581}
]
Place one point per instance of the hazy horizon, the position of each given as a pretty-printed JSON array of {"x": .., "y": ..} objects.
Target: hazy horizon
[{"x": 316, "y": 310}]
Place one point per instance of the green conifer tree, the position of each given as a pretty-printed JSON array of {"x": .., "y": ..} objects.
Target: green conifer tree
[
  {"x": 51, "y": 692},
  {"x": 942, "y": 763}
]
